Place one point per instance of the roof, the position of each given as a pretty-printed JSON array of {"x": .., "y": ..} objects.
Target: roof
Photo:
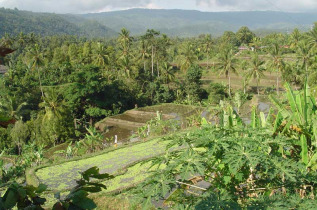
[{"x": 4, "y": 51}]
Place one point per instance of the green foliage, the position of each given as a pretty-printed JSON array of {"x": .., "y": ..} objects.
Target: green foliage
[
  {"x": 28, "y": 197},
  {"x": 20, "y": 134},
  {"x": 244, "y": 35},
  {"x": 192, "y": 84},
  {"x": 298, "y": 121},
  {"x": 238, "y": 164},
  {"x": 216, "y": 92}
]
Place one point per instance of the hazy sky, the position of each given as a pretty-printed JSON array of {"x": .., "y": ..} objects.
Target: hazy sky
[{"x": 85, "y": 6}]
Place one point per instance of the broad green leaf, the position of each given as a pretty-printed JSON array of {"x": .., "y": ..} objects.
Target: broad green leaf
[
  {"x": 284, "y": 112},
  {"x": 263, "y": 120},
  {"x": 10, "y": 199},
  {"x": 41, "y": 188}
]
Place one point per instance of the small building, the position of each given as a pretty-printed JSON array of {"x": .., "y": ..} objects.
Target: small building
[
  {"x": 3, "y": 69},
  {"x": 243, "y": 48}
]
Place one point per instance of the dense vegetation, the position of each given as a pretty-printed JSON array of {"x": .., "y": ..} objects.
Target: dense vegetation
[{"x": 57, "y": 87}]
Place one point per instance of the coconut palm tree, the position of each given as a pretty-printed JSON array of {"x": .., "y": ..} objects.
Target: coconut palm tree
[
  {"x": 187, "y": 56},
  {"x": 36, "y": 60},
  {"x": 125, "y": 41},
  {"x": 167, "y": 73},
  {"x": 227, "y": 64},
  {"x": 150, "y": 37},
  {"x": 12, "y": 107},
  {"x": 256, "y": 70},
  {"x": 295, "y": 37},
  {"x": 100, "y": 57},
  {"x": 207, "y": 47},
  {"x": 276, "y": 62},
  {"x": 312, "y": 36},
  {"x": 304, "y": 53},
  {"x": 143, "y": 52}
]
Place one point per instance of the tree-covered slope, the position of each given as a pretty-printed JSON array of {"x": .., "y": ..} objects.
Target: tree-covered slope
[
  {"x": 15, "y": 21},
  {"x": 191, "y": 23},
  {"x": 183, "y": 23}
]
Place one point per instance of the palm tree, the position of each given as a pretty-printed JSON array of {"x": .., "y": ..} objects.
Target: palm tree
[
  {"x": 276, "y": 62},
  {"x": 304, "y": 53},
  {"x": 295, "y": 38},
  {"x": 312, "y": 35},
  {"x": 36, "y": 60},
  {"x": 244, "y": 67},
  {"x": 12, "y": 107},
  {"x": 150, "y": 37},
  {"x": 207, "y": 47},
  {"x": 255, "y": 43},
  {"x": 100, "y": 57},
  {"x": 167, "y": 74},
  {"x": 54, "y": 115},
  {"x": 227, "y": 64},
  {"x": 125, "y": 41},
  {"x": 187, "y": 56},
  {"x": 53, "y": 106},
  {"x": 143, "y": 52},
  {"x": 127, "y": 66},
  {"x": 256, "y": 70}
]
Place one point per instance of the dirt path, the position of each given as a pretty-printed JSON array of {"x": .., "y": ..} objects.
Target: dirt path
[{"x": 63, "y": 176}]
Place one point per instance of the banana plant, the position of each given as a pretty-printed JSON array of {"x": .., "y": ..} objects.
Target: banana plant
[
  {"x": 298, "y": 118},
  {"x": 259, "y": 120},
  {"x": 228, "y": 116}
]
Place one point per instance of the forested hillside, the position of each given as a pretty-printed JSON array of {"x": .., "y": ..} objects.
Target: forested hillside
[
  {"x": 15, "y": 21},
  {"x": 191, "y": 23},
  {"x": 182, "y": 23}
]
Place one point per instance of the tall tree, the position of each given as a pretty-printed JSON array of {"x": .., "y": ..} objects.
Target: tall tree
[
  {"x": 256, "y": 70},
  {"x": 143, "y": 52},
  {"x": 125, "y": 41},
  {"x": 244, "y": 35},
  {"x": 36, "y": 61},
  {"x": 304, "y": 53},
  {"x": 100, "y": 57},
  {"x": 207, "y": 47},
  {"x": 295, "y": 37},
  {"x": 187, "y": 56},
  {"x": 227, "y": 64},
  {"x": 150, "y": 36},
  {"x": 276, "y": 62}
]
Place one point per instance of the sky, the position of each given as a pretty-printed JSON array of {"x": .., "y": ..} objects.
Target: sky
[{"x": 92, "y": 6}]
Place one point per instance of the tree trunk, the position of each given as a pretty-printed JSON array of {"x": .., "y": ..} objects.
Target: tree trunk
[
  {"x": 38, "y": 71},
  {"x": 144, "y": 65},
  {"x": 229, "y": 86},
  {"x": 277, "y": 86},
  {"x": 158, "y": 71},
  {"x": 207, "y": 61},
  {"x": 257, "y": 87},
  {"x": 244, "y": 85},
  {"x": 152, "y": 61}
]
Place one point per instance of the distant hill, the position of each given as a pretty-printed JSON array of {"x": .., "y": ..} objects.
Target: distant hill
[
  {"x": 183, "y": 23},
  {"x": 15, "y": 21},
  {"x": 191, "y": 23}
]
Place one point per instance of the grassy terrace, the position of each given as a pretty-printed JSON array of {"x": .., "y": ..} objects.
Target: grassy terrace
[{"x": 62, "y": 176}]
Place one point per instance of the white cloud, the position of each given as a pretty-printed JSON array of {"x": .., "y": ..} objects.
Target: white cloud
[
  {"x": 246, "y": 5},
  {"x": 73, "y": 6},
  {"x": 85, "y": 6}
]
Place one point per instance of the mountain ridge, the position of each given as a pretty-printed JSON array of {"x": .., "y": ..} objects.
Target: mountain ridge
[{"x": 173, "y": 22}]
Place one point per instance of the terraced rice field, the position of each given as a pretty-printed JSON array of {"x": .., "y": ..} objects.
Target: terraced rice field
[{"x": 63, "y": 176}]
